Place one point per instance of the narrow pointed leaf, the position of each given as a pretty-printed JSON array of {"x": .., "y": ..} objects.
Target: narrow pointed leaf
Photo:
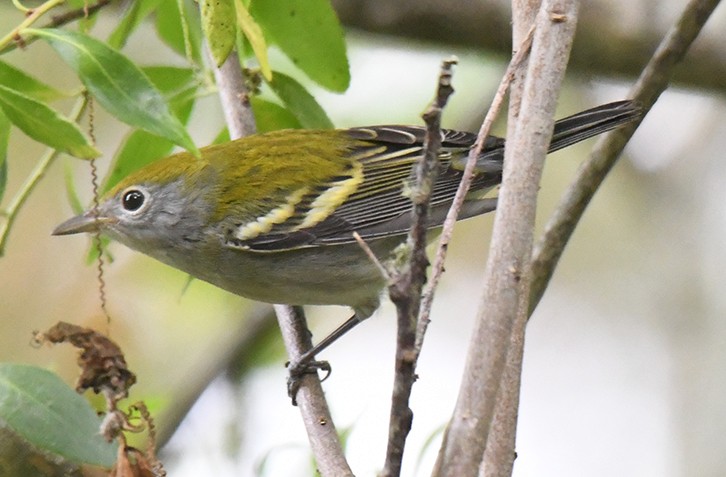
[
  {"x": 271, "y": 117},
  {"x": 169, "y": 27},
  {"x": 118, "y": 85},
  {"x": 44, "y": 411},
  {"x": 140, "y": 147},
  {"x": 300, "y": 102},
  {"x": 173, "y": 82},
  {"x": 255, "y": 37},
  {"x": 44, "y": 124},
  {"x": 26, "y": 84},
  {"x": 135, "y": 13},
  {"x": 218, "y": 25},
  {"x": 310, "y": 34}
]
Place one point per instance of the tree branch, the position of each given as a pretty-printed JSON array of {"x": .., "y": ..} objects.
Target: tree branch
[
  {"x": 405, "y": 291},
  {"x": 234, "y": 95},
  {"x": 7, "y": 45},
  {"x": 447, "y": 229},
  {"x": 507, "y": 270},
  {"x": 499, "y": 453},
  {"x": 310, "y": 398},
  {"x": 318, "y": 422},
  {"x": 480, "y": 25},
  {"x": 652, "y": 82}
]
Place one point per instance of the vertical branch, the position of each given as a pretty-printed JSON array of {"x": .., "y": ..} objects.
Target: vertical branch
[
  {"x": 405, "y": 291},
  {"x": 314, "y": 409},
  {"x": 507, "y": 270},
  {"x": 234, "y": 95},
  {"x": 499, "y": 453}
]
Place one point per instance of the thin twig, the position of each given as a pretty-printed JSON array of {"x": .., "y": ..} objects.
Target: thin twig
[
  {"x": 371, "y": 255},
  {"x": 77, "y": 14},
  {"x": 652, "y": 82},
  {"x": 32, "y": 16},
  {"x": 467, "y": 177},
  {"x": 507, "y": 270},
  {"x": 8, "y": 43},
  {"x": 405, "y": 290}
]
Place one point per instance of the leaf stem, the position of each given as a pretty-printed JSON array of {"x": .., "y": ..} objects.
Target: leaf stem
[
  {"x": 21, "y": 7},
  {"x": 32, "y": 16}
]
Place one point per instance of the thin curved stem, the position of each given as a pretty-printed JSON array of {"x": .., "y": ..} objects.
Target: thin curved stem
[{"x": 11, "y": 213}]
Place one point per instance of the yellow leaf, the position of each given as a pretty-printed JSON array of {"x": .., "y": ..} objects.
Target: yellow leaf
[{"x": 253, "y": 33}]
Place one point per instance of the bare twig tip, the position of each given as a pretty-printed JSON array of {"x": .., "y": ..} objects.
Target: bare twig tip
[{"x": 362, "y": 243}]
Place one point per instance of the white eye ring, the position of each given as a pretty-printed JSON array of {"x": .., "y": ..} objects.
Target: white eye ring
[{"x": 134, "y": 200}]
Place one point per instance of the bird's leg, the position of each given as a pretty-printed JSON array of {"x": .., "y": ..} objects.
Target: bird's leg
[
  {"x": 306, "y": 363},
  {"x": 348, "y": 325}
]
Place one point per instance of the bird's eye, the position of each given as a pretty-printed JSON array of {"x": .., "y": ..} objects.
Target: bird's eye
[{"x": 132, "y": 200}]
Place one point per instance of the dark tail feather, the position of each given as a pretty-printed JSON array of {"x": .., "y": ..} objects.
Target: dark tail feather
[
  {"x": 592, "y": 122},
  {"x": 568, "y": 131}
]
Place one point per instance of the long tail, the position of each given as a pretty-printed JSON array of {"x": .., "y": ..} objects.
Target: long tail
[{"x": 592, "y": 122}]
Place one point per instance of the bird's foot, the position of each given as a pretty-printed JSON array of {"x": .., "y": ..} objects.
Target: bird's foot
[{"x": 299, "y": 369}]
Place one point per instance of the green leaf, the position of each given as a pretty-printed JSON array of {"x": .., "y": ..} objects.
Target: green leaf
[
  {"x": 310, "y": 35},
  {"x": 141, "y": 148},
  {"x": 222, "y": 136},
  {"x": 300, "y": 103},
  {"x": 118, "y": 85},
  {"x": 255, "y": 37},
  {"x": 138, "y": 150},
  {"x": 218, "y": 25},
  {"x": 172, "y": 81},
  {"x": 42, "y": 409},
  {"x": 270, "y": 116},
  {"x": 39, "y": 121},
  {"x": 135, "y": 13},
  {"x": 171, "y": 30},
  {"x": 4, "y": 135},
  {"x": 28, "y": 85}
]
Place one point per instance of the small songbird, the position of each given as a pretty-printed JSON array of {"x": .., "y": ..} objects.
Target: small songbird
[{"x": 271, "y": 216}]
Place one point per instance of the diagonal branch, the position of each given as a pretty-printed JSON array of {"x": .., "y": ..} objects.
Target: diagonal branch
[{"x": 652, "y": 82}]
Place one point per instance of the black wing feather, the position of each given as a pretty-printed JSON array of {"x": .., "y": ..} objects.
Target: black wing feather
[{"x": 377, "y": 208}]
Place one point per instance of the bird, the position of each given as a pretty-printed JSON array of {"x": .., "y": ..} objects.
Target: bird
[{"x": 271, "y": 217}]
